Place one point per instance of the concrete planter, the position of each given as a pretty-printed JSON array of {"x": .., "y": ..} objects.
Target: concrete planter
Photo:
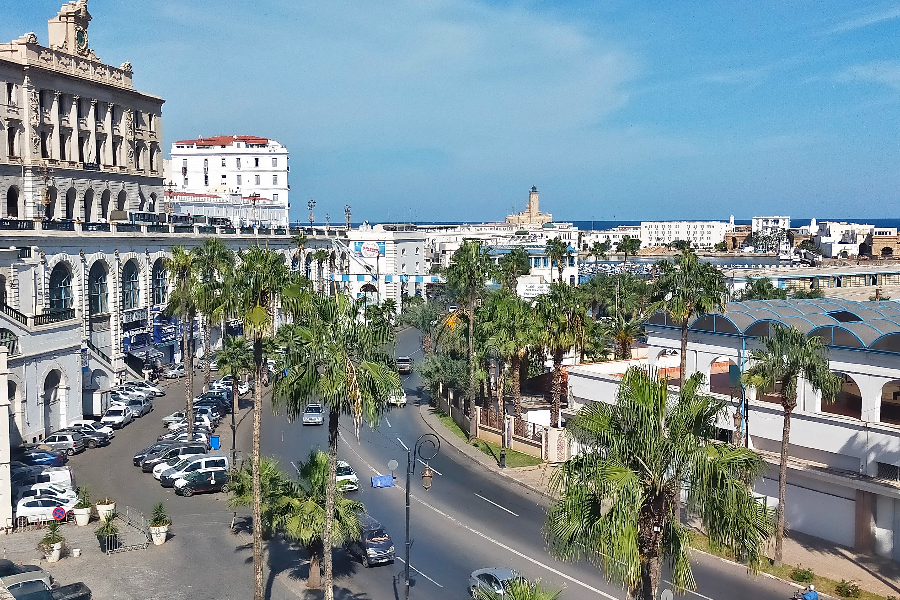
[
  {"x": 82, "y": 516},
  {"x": 55, "y": 551},
  {"x": 105, "y": 509},
  {"x": 159, "y": 534}
]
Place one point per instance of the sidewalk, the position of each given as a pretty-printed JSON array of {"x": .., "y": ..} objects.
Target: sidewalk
[{"x": 874, "y": 573}]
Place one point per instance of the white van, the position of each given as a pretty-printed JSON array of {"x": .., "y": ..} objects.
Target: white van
[{"x": 194, "y": 464}]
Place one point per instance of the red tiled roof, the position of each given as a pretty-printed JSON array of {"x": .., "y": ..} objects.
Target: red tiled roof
[
  {"x": 195, "y": 195},
  {"x": 225, "y": 140}
]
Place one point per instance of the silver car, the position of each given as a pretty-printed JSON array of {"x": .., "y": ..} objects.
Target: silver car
[
  {"x": 68, "y": 442},
  {"x": 313, "y": 415},
  {"x": 493, "y": 579}
]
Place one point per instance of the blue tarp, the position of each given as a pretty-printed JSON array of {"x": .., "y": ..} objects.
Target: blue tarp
[{"x": 383, "y": 481}]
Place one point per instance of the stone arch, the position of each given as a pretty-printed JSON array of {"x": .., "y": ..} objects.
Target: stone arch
[
  {"x": 718, "y": 376},
  {"x": 12, "y": 202},
  {"x": 99, "y": 380},
  {"x": 890, "y": 402},
  {"x": 142, "y": 202},
  {"x": 160, "y": 282},
  {"x": 887, "y": 251},
  {"x": 71, "y": 196},
  {"x": 131, "y": 285},
  {"x": 53, "y": 401},
  {"x": 89, "y": 205},
  {"x": 849, "y": 401},
  {"x": 151, "y": 206},
  {"x": 16, "y": 416},
  {"x": 122, "y": 200},
  {"x": 60, "y": 287},
  {"x": 50, "y": 199},
  {"x": 104, "y": 204}
]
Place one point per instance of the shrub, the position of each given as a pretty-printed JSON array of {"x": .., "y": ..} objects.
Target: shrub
[
  {"x": 160, "y": 517},
  {"x": 847, "y": 589},
  {"x": 802, "y": 575}
]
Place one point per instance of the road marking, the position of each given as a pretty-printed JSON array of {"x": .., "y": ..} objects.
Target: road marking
[
  {"x": 386, "y": 421},
  {"x": 688, "y": 591},
  {"x": 516, "y": 552},
  {"x": 432, "y": 468},
  {"x": 420, "y": 572},
  {"x": 497, "y": 505}
]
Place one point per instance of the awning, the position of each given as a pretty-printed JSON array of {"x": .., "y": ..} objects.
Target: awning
[{"x": 142, "y": 351}]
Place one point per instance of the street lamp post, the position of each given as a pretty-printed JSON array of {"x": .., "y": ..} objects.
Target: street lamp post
[
  {"x": 425, "y": 448},
  {"x": 494, "y": 355},
  {"x": 311, "y": 204}
]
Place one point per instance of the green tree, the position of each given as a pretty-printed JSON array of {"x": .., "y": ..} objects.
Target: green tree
[
  {"x": 214, "y": 263},
  {"x": 234, "y": 359},
  {"x": 616, "y": 503},
  {"x": 561, "y": 315},
  {"x": 301, "y": 513},
  {"x": 558, "y": 251},
  {"x": 688, "y": 288},
  {"x": 182, "y": 271},
  {"x": 628, "y": 245},
  {"x": 320, "y": 256},
  {"x": 258, "y": 280},
  {"x": 600, "y": 250},
  {"x": 680, "y": 245},
  {"x": 470, "y": 267},
  {"x": 624, "y": 328},
  {"x": 512, "y": 265},
  {"x": 347, "y": 366},
  {"x": 423, "y": 316},
  {"x": 808, "y": 294},
  {"x": 761, "y": 289},
  {"x": 809, "y": 246},
  {"x": 786, "y": 356},
  {"x": 389, "y": 310},
  {"x": 519, "y": 589},
  {"x": 240, "y": 489}
]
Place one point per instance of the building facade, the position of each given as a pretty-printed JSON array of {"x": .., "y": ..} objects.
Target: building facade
[
  {"x": 532, "y": 214},
  {"x": 702, "y": 234},
  {"x": 77, "y": 141}
]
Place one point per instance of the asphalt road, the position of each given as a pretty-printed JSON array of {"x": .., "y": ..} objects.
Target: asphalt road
[{"x": 468, "y": 520}]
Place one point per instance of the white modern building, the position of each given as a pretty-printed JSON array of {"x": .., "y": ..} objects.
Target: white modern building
[
  {"x": 702, "y": 234},
  {"x": 241, "y": 170},
  {"x": 613, "y": 235},
  {"x": 769, "y": 225}
]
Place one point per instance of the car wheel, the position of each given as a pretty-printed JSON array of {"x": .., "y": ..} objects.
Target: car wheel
[
  {"x": 187, "y": 492},
  {"x": 365, "y": 561},
  {"x": 70, "y": 452},
  {"x": 472, "y": 592},
  {"x": 92, "y": 444}
]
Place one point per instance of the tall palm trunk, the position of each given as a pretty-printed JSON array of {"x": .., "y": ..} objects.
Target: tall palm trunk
[
  {"x": 470, "y": 397},
  {"x": 556, "y": 388},
  {"x": 234, "y": 411},
  {"x": 259, "y": 589},
  {"x": 328, "y": 533},
  {"x": 207, "y": 350},
  {"x": 782, "y": 477},
  {"x": 314, "y": 581},
  {"x": 683, "y": 366},
  {"x": 189, "y": 374},
  {"x": 515, "y": 368}
]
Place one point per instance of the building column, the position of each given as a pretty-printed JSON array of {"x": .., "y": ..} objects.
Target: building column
[
  {"x": 5, "y": 484},
  {"x": 865, "y": 522},
  {"x": 73, "y": 144},
  {"x": 90, "y": 154},
  {"x": 110, "y": 138},
  {"x": 54, "y": 142}
]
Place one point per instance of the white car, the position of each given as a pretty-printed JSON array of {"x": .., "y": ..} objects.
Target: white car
[
  {"x": 202, "y": 420},
  {"x": 198, "y": 437},
  {"x": 313, "y": 415},
  {"x": 98, "y": 427},
  {"x": 46, "y": 489},
  {"x": 145, "y": 387},
  {"x": 244, "y": 387},
  {"x": 130, "y": 393},
  {"x": 346, "y": 477},
  {"x": 117, "y": 416},
  {"x": 175, "y": 417},
  {"x": 397, "y": 398},
  {"x": 40, "y": 508},
  {"x": 175, "y": 372}
]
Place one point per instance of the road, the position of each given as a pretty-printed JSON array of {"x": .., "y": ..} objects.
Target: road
[{"x": 468, "y": 520}]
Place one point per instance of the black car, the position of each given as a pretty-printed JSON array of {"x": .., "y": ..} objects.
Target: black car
[
  {"x": 92, "y": 437},
  {"x": 150, "y": 450},
  {"x": 194, "y": 483},
  {"x": 223, "y": 398},
  {"x": 173, "y": 452},
  {"x": 375, "y": 546}
]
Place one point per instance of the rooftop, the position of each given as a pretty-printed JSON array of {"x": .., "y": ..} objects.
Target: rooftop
[{"x": 225, "y": 140}]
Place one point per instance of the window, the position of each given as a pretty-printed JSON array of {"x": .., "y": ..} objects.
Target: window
[
  {"x": 274, "y": 162},
  {"x": 11, "y": 141},
  {"x": 98, "y": 302},
  {"x": 131, "y": 292},
  {"x": 274, "y": 179},
  {"x": 238, "y": 162},
  {"x": 256, "y": 179},
  {"x": 223, "y": 161},
  {"x": 206, "y": 179},
  {"x": 150, "y": 121},
  {"x": 9, "y": 93},
  {"x": 205, "y": 165},
  {"x": 60, "y": 288},
  {"x": 402, "y": 251},
  {"x": 274, "y": 197},
  {"x": 160, "y": 283},
  {"x": 239, "y": 180},
  {"x": 255, "y": 162}
]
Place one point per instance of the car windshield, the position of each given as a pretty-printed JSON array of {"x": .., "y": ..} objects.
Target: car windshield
[
  {"x": 341, "y": 471},
  {"x": 115, "y": 412},
  {"x": 377, "y": 535},
  {"x": 181, "y": 464},
  {"x": 314, "y": 408}
]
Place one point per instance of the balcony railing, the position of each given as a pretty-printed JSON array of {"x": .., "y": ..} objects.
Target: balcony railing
[
  {"x": 183, "y": 228},
  {"x": 98, "y": 351},
  {"x": 9, "y": 311},
  {"x": 56, "y": 316},
  {"x": 247, "y": 231},
  {"x": 134, "y": 315},
  {"x": 15, "y": 224},
  {"x": 128, "y": 228},
  {"x": 228, "y": 230},
  {"x": 58, "y": 225},
  {"x": 95, "y": 227},
  {"x": 158, "y": 229}
]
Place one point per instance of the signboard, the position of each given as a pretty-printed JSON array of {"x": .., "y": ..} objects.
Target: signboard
[
  {"x": 59, "y": 513},
  {"x": 532, "y": 290},
  {"x": 165, "y": 331},
  {"x": 368, "y": 249}
]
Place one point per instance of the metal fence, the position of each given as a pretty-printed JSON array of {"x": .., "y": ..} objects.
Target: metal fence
[
  {"x": 133, "y": 535},
  {"x": 524, "y": 429}
]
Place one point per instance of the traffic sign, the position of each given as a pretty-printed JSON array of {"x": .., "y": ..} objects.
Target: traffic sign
[{"x": 59, "y": 513}]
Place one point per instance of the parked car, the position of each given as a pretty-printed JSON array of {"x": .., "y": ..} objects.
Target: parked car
[
  {"x": 69, "y": 442},
  {"x": 140, "y": 406},
  {"x": 150, "y": 450},
  {"x": 92, "y": 438},
  {"x": 95, "y": 425},
  {"x": 374, "y": 546},
  {"x": 147, "y": 387},
  {"x": 205, "y": 463},
  {"x": 347, "y": 479},
  {"x": 173, "y": 453},
  {"x": 73, "y": 591},
  {"x": 130, "y": 392},
  {"x": 117, "y": 417},
  {"x": 202, "y": 481},
  {"x": 397, "y": 398},
  {"x": 35, "y": 457},
  {"x": 40, "y": 508},
  {"x": 197, "y": 436},
  {"x": 45, "y": 489},
  {"x": 174, "y": 372},
  {"x": 494, "y": 579},
  {"x": 222, "y": 384},
  {"x": 61, "y": 476},
  {"x": 175, "y": 417},
  {"x": 404, "y": 364},
  {"x": 313, "y": 415},
  {"x": 201, "y": 423},
  {"x": 209, "y": 411},
  {"x": 13, "y": 577},
  {"x": 223, "y": 398},
  {"x": 245, "y": 387}
]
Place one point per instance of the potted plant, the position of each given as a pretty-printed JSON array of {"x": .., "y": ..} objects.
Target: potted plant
[
  {"x": 51, "y": 544},
  {"x": 106, "y": 507},
  {"x": 159, "y": 524},
  {"x": 107, "y": 534},
  {"x": 82, "y": 510}
]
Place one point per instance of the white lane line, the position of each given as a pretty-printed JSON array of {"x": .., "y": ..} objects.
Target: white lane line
[
  {"x": 388, "y": 422},
  {"x": 688, "y": 591},
  {"x": 405, "y": 447},
  {"x": 432, "y": 468},
  {"x": 516, "y": 552},
  {"x": 371, "y": 468},
  {"x": 420, "y": 572},
  {"x": 497, "y": 505}
]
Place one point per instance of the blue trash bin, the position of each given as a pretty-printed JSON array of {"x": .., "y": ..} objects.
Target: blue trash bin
[{"x": 214, "y": 442}]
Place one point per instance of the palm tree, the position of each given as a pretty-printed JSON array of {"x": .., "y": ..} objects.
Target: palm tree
[
  {"x": 628, "y": 245},
  {"x": 519, "y": 589},
  {"x": 389, "y": 310},
  {"x": 258, "y": 280},
  {"x": 424, "y": 316},
  {"x": 761, "y": 288},
  {"x": 624, "y": 328},
  {"x": 345, "y": 365},
  {"x": 561, "y": 315},
  {"x": 320, "y": 256},
  {"x": 558, "y": 251},
  {"x": 182, "y": 272},
  {"x": 512, "y": 330},
  {"x": 214, "y": 261},
  {"x": 241, "y": 492},
  {"x": 600, "y": 250},
  {"x": 235, "y": 359},
  {"x": 786, "y": 356},
  {"x": 470, "y": 266},
  {"x": 300, "y": 240},
  {"x": 686, "y": 289},
  {"x": 301, "y": 513},
  {"x": 616, "y": 503},
  {"x": 513, "y": 264}
]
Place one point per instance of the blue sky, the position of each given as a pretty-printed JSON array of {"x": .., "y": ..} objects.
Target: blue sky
[{"x": 452, "y": 109}]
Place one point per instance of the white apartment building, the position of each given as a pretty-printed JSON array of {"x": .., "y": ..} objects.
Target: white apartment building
[
  {"x": 703, "y": 234},
  {"x": 834, "y": 239},
  {"x": 769, "y": 224},
  {"x": 250, "y": 169},
  {"x": 614, "y": 235}
]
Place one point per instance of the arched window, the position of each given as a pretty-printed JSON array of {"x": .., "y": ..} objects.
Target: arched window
[
  {"x": 152, "y": 206},
  {"x": 98, "y": 293},
  {"x": 160, "y": 283},
  {"x": 104, "y": 204},
  {"x": 131, "y": 289},
  {"x": 12, "y": 202},
  {"x": 88, "y": 205},
  {"x": 60, "y": 287},
  {"x": 71, "y": 195},
  {"x": 121, "y": 200}
]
